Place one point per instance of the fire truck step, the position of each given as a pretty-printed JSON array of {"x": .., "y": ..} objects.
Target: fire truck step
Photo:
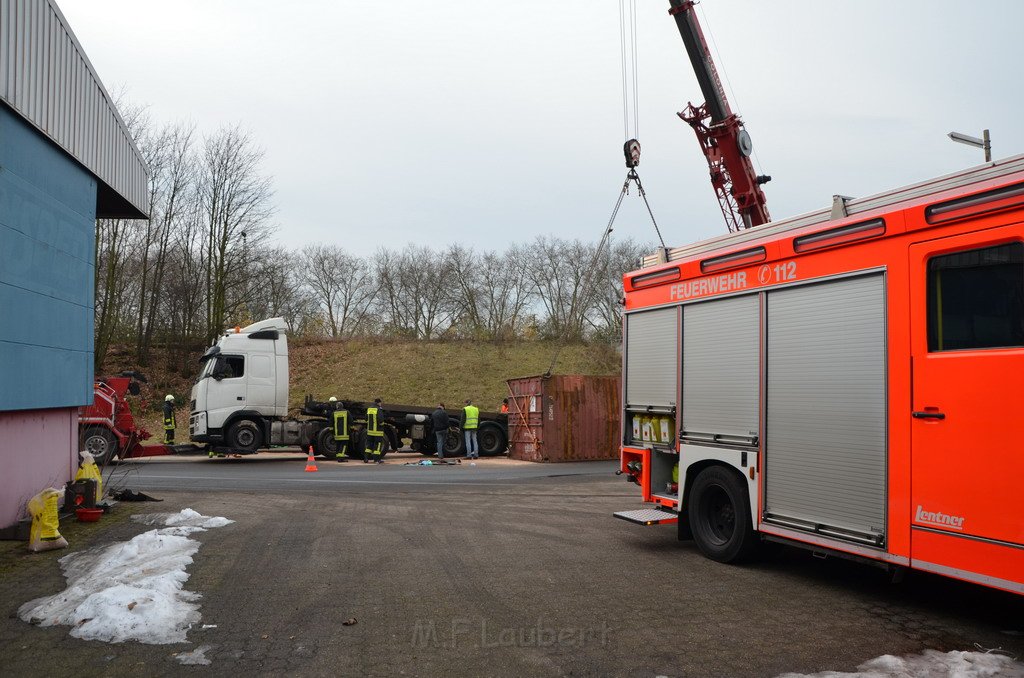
[{"x": 648, "y": 516}]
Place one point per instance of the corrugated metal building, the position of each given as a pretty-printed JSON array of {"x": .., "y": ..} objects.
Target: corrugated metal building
[{"x": 66, "y": 159}]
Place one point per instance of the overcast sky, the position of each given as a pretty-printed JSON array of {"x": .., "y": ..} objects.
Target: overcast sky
[{"x": 487, "y": 123}]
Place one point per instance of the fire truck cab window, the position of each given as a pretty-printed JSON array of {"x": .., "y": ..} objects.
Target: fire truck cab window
[{"x": 976, "y": 299}]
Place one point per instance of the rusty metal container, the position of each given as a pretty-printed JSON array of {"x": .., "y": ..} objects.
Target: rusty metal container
[{"x": 564, "y": 417}]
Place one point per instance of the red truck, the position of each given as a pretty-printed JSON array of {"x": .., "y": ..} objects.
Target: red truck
[{"x": 107, "y": 428}]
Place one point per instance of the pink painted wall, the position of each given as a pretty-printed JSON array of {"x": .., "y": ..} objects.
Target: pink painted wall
[{"x": 38, "y": 449}]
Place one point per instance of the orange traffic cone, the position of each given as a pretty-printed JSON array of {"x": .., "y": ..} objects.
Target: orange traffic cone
[{"x": 310, "y": 462}]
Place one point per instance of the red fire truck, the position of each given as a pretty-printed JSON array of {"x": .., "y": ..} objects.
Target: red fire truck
[{"x": 844, "y": 380}]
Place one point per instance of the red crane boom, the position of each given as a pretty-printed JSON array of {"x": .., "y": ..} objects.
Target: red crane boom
[{"x": 725, "y": 143}]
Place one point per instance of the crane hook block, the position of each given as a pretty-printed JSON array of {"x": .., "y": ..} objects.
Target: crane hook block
[{"x": 632, "y": 151}]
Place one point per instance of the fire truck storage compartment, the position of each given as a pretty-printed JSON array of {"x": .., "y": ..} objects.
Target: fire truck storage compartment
[
  {"x": 662, "y": 462},
  {"x": 652, "y": 368},
  {"x": 825, "y": 439},
  {"x": 721, "y": 353}
]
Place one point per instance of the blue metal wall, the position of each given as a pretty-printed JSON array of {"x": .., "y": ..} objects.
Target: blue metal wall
[{"x": 47, "y": 261}]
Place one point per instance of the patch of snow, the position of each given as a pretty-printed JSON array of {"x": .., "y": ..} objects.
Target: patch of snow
[
  {"x": 184, "y": 518},
  {"x": 129, "y": 590},
  {"x": 195, "y": 657},
  {"x": 930, "y": 664}
]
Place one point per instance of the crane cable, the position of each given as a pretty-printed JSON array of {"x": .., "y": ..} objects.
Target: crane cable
[
  {"x": 584, "y": 286},
  {"x": 630, "y": 69},
  {"x": 628, "y": 61},
  {"x": 629, "y": 77}
]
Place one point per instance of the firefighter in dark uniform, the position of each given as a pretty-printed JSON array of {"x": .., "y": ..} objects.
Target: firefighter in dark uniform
[
  {"x": 340, "y": 420},
  {"x": 169, "y": 423},
  {"x": 374, "y": 434}
]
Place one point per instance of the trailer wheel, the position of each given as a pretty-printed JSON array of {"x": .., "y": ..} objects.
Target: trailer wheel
[
  {"x": 454, "y": 443},
  {"x": 492, "y": 439},
  {"x": 100, "y": 442},
  {"x": 428, "y": 446},
  {"x": 325, "y": 443},
  {"x": 244, "y": 435},
  {"x": 719, "y": 515}
]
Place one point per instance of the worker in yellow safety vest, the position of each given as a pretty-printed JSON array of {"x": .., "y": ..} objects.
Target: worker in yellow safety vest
[
  {"x": 169, "y": 424},
  {"x": 340, "y": 422},
  {"x": 470, "y": 423},
  {"x": 374, "y": 434}
]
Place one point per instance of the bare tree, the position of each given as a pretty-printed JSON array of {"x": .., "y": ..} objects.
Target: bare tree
[
  {"x": 172, "y": 199},
  {"x": 112, "y": 237},
  {"x": 236, "y": 204},
  {"x": 605, "y": 316},
  {"x": 342, "y": 285},
  {"x": 467, "y": 291},
  {"x": 204, "y": 260},
  {"x": 277, "y": 290},
  {"x": 559, "y": 271},
  {"x": 491, "y": 291},
  {"x": 413, "y": 295},
  {"x": 182, "y": 306},
  {"x": 507, "y": 291}
]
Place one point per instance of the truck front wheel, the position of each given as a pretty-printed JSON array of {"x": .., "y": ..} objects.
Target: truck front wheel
[
  {"x": 719, "y": 515},
  {"x": 245, "y": 436}
]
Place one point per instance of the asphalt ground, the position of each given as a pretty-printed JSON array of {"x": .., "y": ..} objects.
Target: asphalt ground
[{"x": 502, "y": 569}]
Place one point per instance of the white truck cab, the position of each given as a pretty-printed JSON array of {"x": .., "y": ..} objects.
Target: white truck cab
[{"x": 243, "y": 385}]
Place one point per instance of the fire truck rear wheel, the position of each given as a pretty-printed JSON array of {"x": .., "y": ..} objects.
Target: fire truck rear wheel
[
  {"x": 719, "y": 513},
  {"x": 101, "y": 443},
  {"x": 245, "y": 435}
]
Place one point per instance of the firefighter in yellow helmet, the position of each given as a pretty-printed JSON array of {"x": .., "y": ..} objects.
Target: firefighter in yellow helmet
[
  {"x": 339, "y": 420},
  {"x": 169, "y": 423}
]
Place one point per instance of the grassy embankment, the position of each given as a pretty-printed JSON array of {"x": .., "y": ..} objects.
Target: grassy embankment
[{"x": 408, "y": 372}]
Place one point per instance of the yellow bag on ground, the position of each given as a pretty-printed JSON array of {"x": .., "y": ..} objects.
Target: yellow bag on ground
[
  {"x": 88, "y": 470},
  {"x": 45, "y": 532}
]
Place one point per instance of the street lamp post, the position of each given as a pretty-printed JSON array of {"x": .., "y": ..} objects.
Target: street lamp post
[{"x": 984, "y": 143}]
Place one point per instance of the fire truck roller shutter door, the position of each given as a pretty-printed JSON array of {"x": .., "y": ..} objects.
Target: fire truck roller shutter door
[
  {"x": 825, "y": 447},
  {"x": 652, "y": 357},
  {"x": 721, "y": 356}
]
